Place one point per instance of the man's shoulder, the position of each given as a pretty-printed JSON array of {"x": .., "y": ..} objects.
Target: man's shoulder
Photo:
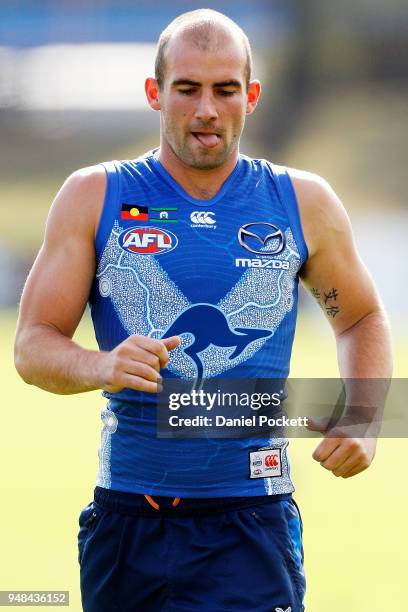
[
  {"x": 86, "y": 178},
  {"x": 80, "y": 198},
  {"x": 321, "y": 211},
  {"x": 314, "y": 193},
  {"x": 94, "y": 178},
  {"x": 101, "y": 167},
  {"x": 309, "y": 184},
  {"x": 307, "y": 181}
]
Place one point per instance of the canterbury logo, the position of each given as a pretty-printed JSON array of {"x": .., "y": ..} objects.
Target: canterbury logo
[
  {"x": 272, "y": 461},
  {"x": 282, "y": 610},
  {"x": 202, "y": 217}
]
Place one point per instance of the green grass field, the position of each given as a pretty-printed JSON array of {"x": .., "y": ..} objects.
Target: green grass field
[{"x": 355, "y": 535}]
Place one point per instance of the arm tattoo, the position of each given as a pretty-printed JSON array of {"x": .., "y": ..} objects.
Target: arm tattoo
[
  {"x": 332, "y": 295},
  {"x": 332, "y": 311},
  {"x": 326, "y": 302}
]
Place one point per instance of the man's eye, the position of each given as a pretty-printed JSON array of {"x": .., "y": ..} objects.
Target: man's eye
[
  {"x": 226, "y": 92},
  {"x": 186, "y": 92}
]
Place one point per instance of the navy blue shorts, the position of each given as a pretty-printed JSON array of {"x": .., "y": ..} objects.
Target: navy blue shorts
[{"x": 205, "y": 555}]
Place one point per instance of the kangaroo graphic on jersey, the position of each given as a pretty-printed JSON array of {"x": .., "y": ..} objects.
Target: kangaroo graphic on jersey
[{"x": 209, "y": 325}]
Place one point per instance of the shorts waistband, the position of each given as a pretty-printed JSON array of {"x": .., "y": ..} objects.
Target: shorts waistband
[{"x": 137, "y": 504}]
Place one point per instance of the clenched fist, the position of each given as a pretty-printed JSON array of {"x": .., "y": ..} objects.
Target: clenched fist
[
  {"x": 341, "y": 454},
  {"x": 136, "y": 363}
]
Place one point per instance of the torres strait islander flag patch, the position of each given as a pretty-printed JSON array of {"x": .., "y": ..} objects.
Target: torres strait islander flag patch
[
  {"x": 134, "y": 212},
  {"x": 164, "y": 214}
]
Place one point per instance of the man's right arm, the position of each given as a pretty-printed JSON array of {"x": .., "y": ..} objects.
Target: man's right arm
[{"x": 55, "y": 297}]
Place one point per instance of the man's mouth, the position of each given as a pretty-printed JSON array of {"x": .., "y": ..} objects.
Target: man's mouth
[{"x": 207, "y": 139}]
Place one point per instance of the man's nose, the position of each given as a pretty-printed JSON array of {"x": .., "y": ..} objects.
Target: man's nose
[{"x": 206, "y": 108}]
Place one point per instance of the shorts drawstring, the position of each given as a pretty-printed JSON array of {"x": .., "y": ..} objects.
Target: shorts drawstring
[{"x": 156, "y": 506}]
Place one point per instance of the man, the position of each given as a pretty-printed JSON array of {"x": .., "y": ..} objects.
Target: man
[{"x": 190, "y": 258}]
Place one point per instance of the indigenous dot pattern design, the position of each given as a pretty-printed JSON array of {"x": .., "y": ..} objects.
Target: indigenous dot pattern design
[
  {"x": 147, "y": 301},
  {"x": 110, "y": 422},
  {"x": 143, "y": 295}
]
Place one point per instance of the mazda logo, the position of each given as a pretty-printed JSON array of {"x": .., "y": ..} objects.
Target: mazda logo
[{"x": 265, "y": 233}]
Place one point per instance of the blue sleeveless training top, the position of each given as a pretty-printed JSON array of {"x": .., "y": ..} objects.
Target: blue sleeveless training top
[{"x": 221, "y": 273}]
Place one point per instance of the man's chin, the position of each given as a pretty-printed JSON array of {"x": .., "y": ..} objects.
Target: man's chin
[
  {"x": 207, "y": 165},
  {"x": 206, "y": 161}
]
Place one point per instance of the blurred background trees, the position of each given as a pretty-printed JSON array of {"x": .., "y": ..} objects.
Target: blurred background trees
[{"x": 334, "y": 101}]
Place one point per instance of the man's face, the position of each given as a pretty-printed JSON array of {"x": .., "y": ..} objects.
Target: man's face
[{"x": 203, "y": 101}]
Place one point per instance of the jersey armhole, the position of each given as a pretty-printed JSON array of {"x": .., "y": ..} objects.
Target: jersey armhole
[
  {"x": 289, "y": 201},
  {"x": 110, "y": 206}
]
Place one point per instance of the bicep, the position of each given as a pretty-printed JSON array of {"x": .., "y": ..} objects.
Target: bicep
[
  {"x": 335, "y": 274},
  {"x": 57, "y": 288}
]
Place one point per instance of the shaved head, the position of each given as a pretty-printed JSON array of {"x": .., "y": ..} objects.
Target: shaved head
[{"x": 205, "y": 29}]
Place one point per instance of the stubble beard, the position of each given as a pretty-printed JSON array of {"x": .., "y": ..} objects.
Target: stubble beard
[
  {"x": 204, "y": 161},
  {"x": 200, "y": 161}
]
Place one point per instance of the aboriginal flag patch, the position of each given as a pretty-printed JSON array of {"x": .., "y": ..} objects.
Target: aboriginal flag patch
[{"x": 134, "y": 212}]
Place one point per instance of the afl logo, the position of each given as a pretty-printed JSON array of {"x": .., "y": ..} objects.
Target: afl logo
[{"x": 147, "y": 240}]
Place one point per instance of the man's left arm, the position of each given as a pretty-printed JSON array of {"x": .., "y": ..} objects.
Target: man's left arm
[{"x": 345, "y": 291}]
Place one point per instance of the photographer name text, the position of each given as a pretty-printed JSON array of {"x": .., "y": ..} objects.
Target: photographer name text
[{"x": 252, "y": 421}]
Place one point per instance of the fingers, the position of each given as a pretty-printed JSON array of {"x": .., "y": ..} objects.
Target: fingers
[
  {"x": 151, "y": 345},
  {"x": 127, "y": 372},
  {"x": 172, "y": 342},
  {"x": 351, "y": 464},
  {"x": 326, "y": 448},
  {"x": 159, "y": 348},
  {"x": 345, "y": 457},
  {"x": 355, "y": 471},
  {"x": 142, "y": 370},
  {"x": 363, "y": 452},
  {"x": 139, "y": 384},
  {"x": 136, "y": 363},
  {"x": 337, "y": 458},
  {"x": 146, "y": 357},
  {"x": 318, "y": 424}
]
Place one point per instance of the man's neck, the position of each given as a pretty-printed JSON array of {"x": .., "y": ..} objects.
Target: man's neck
[{"x": 198, "y": 183}]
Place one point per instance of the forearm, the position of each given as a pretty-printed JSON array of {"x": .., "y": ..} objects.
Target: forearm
[
  {"x": 364, "y": 350},
  {"x": 365, "y": 364},
  {"x": 46, "y": 358}
]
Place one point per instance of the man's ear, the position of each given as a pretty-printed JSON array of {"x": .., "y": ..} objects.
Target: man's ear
[
  {"x": 253, "y": 93},
  {"x": 152, "y": 93}
]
